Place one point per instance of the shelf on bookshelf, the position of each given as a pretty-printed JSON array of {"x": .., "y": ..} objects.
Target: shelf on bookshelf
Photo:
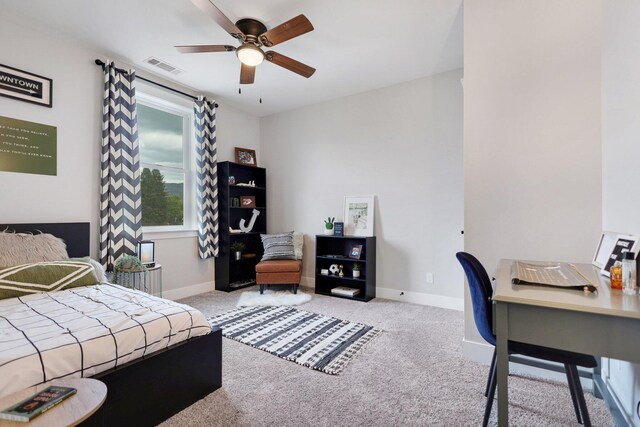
[
  {"x": 246, "y": 186},
  {"x": 358, "y": 297},
  {"x": 334, "y": 277},
  {"x": 251, "y": 233},
  {"x": 342, "y": 258},
  {"x": 342, "y": 237}
]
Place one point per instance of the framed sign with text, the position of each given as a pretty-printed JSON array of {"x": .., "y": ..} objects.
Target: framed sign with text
[
  {"x": 28, "y": 87},
  {"x": 27, "y": 147}
]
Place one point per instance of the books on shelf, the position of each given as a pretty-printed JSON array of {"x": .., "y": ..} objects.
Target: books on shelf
[
  {"x": 345, "y": 291},
  {"x": 37, "y": 404}
]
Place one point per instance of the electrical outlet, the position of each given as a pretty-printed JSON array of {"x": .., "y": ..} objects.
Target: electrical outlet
[{"x": 429, "y": 277}]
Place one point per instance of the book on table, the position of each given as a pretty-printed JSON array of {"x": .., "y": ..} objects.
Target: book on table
[
  {"x": 345, "y": 291},
  {"x": 37, "y": 404}
]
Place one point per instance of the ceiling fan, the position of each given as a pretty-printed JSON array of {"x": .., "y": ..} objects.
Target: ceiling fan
[{"x": 254, "y": 35}]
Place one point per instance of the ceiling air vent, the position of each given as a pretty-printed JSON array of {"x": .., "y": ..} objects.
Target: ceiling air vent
[{"x": 163, "y": 65}]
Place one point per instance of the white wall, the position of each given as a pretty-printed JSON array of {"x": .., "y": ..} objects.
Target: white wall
[
  {"x": 403, "y": 144},
  {"x": 620, "y": 154},
  {"x": 72, "y": 195},
  {"x": 532, "y": 153}
]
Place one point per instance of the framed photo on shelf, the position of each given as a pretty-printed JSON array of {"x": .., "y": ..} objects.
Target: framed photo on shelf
[
  {"x": 245, "y": 156},
  {"x": 623, "y": 243},
  {"x": 247, "y": 201},
  {"x": 358, "y": 215},
  {"x": 355, "y": 252}
]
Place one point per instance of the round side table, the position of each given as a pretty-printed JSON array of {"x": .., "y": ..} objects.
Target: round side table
[
  {"x": 70, "y": 412},
  {"x": 149, "y": 281}
]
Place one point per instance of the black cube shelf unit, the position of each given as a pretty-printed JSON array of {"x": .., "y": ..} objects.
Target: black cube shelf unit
[
  {"x": 232, "y": 274},
  {"x": 336, "y": 250}
]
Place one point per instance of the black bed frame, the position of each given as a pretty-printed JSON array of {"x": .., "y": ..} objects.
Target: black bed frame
[{"x": 146, "y": 391}]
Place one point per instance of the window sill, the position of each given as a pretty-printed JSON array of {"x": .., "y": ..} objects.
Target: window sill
[{"x": 169, "y": 234}]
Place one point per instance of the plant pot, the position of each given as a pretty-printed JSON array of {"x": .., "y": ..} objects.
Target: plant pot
[
  {"x": 328, "y": 231},
  {"x": 238, "y": 255},
  {"x": 356, "y": 274}
]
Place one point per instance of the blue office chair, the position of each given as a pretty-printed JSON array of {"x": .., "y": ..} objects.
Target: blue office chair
[{"x": 481, "y": 296}]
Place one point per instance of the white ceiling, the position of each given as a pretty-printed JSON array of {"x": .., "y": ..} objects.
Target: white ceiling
[{"x": 357, "y": 45}]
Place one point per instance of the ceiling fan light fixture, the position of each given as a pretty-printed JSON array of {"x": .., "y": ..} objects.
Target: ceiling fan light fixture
[{"x": 250, "y": 54}]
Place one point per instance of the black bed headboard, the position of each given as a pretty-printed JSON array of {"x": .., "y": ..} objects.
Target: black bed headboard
[{"x": 74, "y": 234}]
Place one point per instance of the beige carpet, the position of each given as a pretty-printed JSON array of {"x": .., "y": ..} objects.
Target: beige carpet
[{"x": 412, "y": 375}]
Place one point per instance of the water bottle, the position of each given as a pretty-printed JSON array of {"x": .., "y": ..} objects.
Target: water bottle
[{"x": 629, "y": 273}]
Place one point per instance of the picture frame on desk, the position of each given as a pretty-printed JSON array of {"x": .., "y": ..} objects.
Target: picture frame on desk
[
  {"x": 623, "y": 242},
  {"x": 604, "y": 248}
]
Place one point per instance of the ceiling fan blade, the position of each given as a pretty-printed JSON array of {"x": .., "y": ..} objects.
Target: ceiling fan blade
[
  {"x": 292, "y": 28},
  {"x": 290, "y": 64},
  {"x": 221, "y": 19},
  {"x": 247, "y": 74},
  {"x": 204, "y": 48}
]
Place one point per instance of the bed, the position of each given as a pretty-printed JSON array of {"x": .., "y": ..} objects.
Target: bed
[{"x": 156, "y": 357}]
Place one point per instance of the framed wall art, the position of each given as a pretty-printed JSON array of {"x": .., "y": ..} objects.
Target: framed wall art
[
  {"x": 245, "y": 156},
  {"x": 359, "y": 215},
  {"x": 25, "y": 86},
  {"x": 28, "y": 147}
]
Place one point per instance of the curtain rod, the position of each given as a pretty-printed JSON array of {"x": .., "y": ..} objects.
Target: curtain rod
[{"x": 102, "y": 64}]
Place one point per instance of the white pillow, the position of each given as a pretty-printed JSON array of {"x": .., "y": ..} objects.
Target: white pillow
[
  {"x": 23, "y": 248},
  {"x": 99, "y": 269},
  {"x": 298, "y": 241}
]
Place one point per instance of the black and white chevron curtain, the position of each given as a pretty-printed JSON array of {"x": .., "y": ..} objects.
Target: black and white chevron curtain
[
  {"x": 206, "y": 177},
  {"x": 120, "y": 197}
]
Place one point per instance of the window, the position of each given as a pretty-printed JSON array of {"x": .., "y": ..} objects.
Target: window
[{"x": 165, "y": 131}]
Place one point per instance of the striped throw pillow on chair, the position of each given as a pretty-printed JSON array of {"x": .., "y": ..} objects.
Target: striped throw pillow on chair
[{"x": 278, "y": 246}]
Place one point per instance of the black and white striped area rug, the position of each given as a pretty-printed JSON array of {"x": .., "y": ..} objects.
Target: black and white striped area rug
[{"x": 319, "y": 342}]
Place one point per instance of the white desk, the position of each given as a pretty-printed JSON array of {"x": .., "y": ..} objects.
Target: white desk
[{"x": 603, "y": 324}]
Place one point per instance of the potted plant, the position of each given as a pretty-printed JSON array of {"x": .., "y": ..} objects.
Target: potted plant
[
  {"x": 356, "y": 270},
  {"x": 328, "y": 226},
  {"x": 237, "y": 248}
]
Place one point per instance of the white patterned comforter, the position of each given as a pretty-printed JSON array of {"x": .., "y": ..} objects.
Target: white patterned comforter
[{"x": 83, "y": 331}]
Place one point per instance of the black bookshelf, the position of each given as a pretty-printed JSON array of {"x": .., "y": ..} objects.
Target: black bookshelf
[
  {"x": 232, "y": 274},
  {"x": 336, "y": 250}
]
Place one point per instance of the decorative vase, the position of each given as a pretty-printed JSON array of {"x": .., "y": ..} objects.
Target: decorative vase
[
  {"x": 328, "y": 231},
  {"x": 356, "y": 274},
  {"x": 238, "y": 255}
]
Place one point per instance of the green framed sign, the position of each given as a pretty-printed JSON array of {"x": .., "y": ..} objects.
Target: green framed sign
[{"x": 27, "y": 147}]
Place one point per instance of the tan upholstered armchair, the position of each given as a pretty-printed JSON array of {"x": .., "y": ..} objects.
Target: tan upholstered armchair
[{"x": 282, "y": 271}]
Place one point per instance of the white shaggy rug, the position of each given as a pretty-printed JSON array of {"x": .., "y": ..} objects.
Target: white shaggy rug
[{"x": 272, "y": 298}]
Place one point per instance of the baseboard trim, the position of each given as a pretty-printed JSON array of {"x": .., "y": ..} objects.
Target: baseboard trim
[
  {"x": 420, "y": 298},
  {"x": 433, "y": 300},
  {"x": 188, "y": 291}
]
